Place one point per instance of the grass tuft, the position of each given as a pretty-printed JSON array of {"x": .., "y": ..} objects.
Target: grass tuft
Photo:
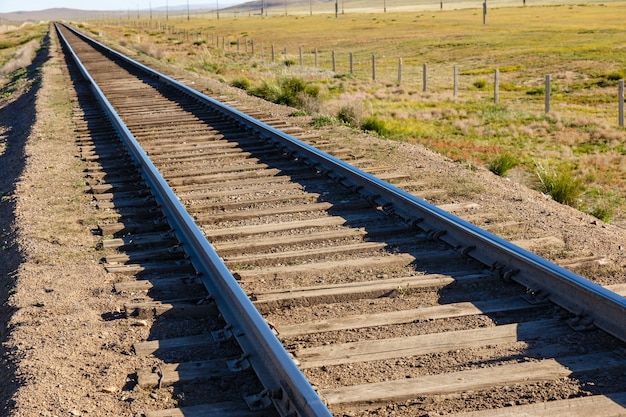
[
  {"x": 603, "y": 212},
  {"x": 501, "y": 163},
  {"x": 560, "y": 184},
  {"x": 150, "y": 49},
  {"x": 373, "y": 124},
  {"x": 321, "y": 121},
  {"x": 292, "y": 92},
  {"x": 351, "y": 113},
  {"x": 242, "y": 83}
]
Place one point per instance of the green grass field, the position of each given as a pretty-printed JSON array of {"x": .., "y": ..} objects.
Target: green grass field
[{"x": 581, "y": 46}]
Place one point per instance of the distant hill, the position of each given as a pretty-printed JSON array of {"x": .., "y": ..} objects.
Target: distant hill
[
  {"x": 76, "y": 14},
  {"x": 44, "y": 15}
]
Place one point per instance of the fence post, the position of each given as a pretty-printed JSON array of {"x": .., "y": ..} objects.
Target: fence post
[
  {"x": 351, "y": 62},
  {"x": 373, "y": 67},
  {"x": 252, "y": 45},
  {"x": 246, "y": 45},
  {"x": 262, "y": 52},
  {"x": 272, "y": 52},
  {"x": 237, "y": 46},
  {"x": 285, "y": 53},
  {"x": 496, "y": 85},
  {"x": 315, "y": 57},
  {"x": 424, "y": 78},
  {"x": 456, "y": 81},
  {"x": 300, "y": 53},
  {"x": 399, "y": 71},
  {"x": 620, "y": 97},
  {"x": 547, "y": 96},
  {"x": 333, "y": 59},
  {"x": 484, "y": 12}
]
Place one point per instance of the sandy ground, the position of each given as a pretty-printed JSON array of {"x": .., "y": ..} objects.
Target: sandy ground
[
  {"x": 57, "y": 354},
  {"x": 60, "y": 354}
]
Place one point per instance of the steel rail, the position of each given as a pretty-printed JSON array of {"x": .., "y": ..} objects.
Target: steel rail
[
  {"x": 580, "y": 296},
  {"x": 285, "y": 386}
]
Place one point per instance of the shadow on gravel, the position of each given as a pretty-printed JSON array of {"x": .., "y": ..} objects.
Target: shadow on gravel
[{"x": 17, "y": 116}]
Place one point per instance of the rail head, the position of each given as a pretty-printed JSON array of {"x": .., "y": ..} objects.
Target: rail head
[{"x": 285, "y": 385}]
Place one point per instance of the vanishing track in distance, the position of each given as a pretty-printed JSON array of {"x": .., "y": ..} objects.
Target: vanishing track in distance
[{"x": 385, "y": 313}]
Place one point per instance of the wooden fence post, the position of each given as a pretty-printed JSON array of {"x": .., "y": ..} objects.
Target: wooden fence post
[
  {"x": 300, "y": 53},
  {"x": 351, "y": 62},
  {"x": 315, "y": 57},
  {"x": 272, "y": 52},
  {"x": 547, "y": 95},
  {"x": 399, "y": 71},
  {"x": 333, "y": 59},
  {"x": 484, "y": 12},
  {"x": 620, "y": 97},
  {"x": 252, "y": 45},
  {"x": 456, "y": 81},
  {"x": 496, "y": 85},
  {"x": 373, "y": 67},
  {"x": 424, "y": 78}
]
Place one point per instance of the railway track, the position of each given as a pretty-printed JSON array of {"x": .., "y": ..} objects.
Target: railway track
[{"x": 387, "y": 305}]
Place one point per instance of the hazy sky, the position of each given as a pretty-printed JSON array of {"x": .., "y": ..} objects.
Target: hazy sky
[{"x": 29, "y": 5}]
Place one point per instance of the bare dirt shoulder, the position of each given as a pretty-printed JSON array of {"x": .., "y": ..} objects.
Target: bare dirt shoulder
[
  {"x": 17, "y": 117},
  {"x": 61, "y": 356}
]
